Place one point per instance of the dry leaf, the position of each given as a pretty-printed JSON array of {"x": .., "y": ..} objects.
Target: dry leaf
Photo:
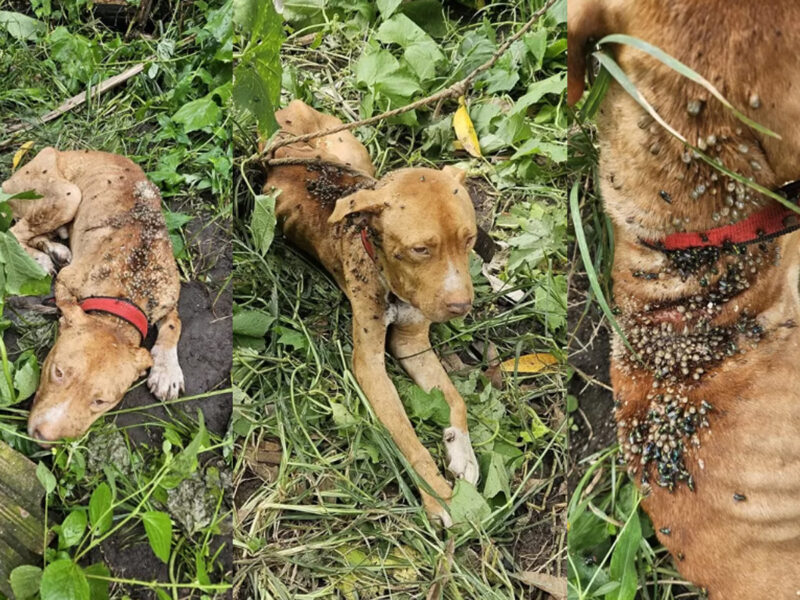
[
  {"x": 530, "y": 363},
  {"x": 555, "y": 586},
  {"x": 23, "y": 150},
  {"x": 465, "y": 131}
]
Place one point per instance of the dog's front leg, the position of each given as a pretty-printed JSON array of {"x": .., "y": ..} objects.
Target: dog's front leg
[
  {"x": 166, "y": 377},
  {"x": 369, "y": 338},
  {"x": 409, "y": 343}
]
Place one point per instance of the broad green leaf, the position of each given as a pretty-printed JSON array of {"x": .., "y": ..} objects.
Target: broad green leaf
[
  {"x": 98, "y": 588},
  {"x": 25, "y": 581},
  {"x": 426, "y": 405},
  {"x": 72, "y": 529},
  {"x": 497, "y": 477},
  {"x": 64, "y": 580},
  {"x": 198, "y": 114},
  {"x": 248, "y": 15},
  {"x": 387, "y": 7},
  {"x": 21, "y": 27},
  {"x": 257, "y": 76},
  {"x": 26, "y": 375},
  {"x": 23, "y": 276},
  {"x": 262, "y": 223},
  {"x": 100, "y": 512},
  {"x": 45, "y": 477},
  {"x": 252, "y": 323},
  {"x": 467, "y": 505},
  {"x": 158, "y": 527}
]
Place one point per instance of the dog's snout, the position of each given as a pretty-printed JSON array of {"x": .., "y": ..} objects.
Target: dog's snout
[
  {"x": 459, "y": 308},
  {"x": 41, "y": 437}
]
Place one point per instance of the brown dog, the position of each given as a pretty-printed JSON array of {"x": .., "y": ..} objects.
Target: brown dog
[
  {"x": 709, "y": 414},
  {"x": 400, "y": 252},
  {"x": 119, "y": 250}
]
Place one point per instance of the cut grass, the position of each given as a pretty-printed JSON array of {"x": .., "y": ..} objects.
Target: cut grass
[{"x": 327, "y": 506}]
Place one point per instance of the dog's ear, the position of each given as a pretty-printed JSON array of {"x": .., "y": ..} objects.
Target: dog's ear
[
  {"x": 362, "y": 201},
  {"x": 44, "y": 176},
  {"x": 458, "y": 174},
  {"x": 586, "y": 20}
]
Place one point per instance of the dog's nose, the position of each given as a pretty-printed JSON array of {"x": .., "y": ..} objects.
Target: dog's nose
[{"x": 459, "y": 308}]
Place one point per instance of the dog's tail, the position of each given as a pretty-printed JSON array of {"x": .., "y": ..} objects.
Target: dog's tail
[{"x": 587, "y": 20}]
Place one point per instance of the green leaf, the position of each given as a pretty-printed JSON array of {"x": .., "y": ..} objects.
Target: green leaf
[
  {"x": 23, "y": 276},
  {"x": 100, "y": 512},
  {"x": 467, "y": 505},
  {"x": 198, "y": 114},
  {"x": 175, "y": 220},
  {"x": 387, "y": 7},
  {"x": 291, "y": 337},
  {"x": 98, "y": 588},
  {"x": 257, "y": 76},
  {"x": 426, "y": 405},
  {"x": 72, "y": 529},
  {"x": 623, "y": 560},
  {"x": 25, "y": 581},
  {"x": 21, "y": 27},
  {"x": 64, "y": 580},
  {"x": 158, "y": 527},
  {"x": 46, "y": 478},
  {"x": 497, "y": 477},
  {"x": 262, "y": 223},
  {"x": 252, "y": 323},
  {"x": 26, "y": 375}
]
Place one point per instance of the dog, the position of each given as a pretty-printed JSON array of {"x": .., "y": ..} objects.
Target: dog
[
  {"x": 399, "y": 249},
  {"x": 120, "y": 276},
  {"x": 705, "y": 276}
]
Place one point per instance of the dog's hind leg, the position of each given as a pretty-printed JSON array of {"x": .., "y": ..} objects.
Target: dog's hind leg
[
  {"x": 369, "y": 365},
  {"x": 409, "y": 343},
  {"x": 166, "y": 377}
]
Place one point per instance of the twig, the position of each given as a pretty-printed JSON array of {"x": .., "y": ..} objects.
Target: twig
[
  {"x": 77, "y": 100},
  {"x": 454, "y": 91}
]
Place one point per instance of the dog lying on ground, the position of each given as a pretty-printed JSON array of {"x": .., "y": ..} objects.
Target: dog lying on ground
[
  {"x": 706, "y": 279},
  {"x": 120, "y": 276},
  {"x": 400, "y": 252}
]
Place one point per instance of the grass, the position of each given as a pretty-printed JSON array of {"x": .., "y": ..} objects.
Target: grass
[
  {"x": 155, "y": 455},
  {"x": 326, "y": 505}
]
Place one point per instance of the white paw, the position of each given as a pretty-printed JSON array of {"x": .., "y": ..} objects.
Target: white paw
[
  {"x": 45, "y": 262},
  {"x": 461, "y": 457},
  {"x": 59, "y": 253},
  {"x": 166, "y": 377}
]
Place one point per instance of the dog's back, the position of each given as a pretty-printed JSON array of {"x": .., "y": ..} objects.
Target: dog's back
[{"x": 308, "y": 193}]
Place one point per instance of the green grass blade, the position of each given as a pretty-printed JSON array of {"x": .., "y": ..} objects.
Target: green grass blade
[
  {"x": 580, "y": 236},
  {"x": 687, "y": 72}
]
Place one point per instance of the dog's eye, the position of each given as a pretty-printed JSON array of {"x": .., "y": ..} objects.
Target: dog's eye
[
  {"x": 56, "y": 374},
  {"x": 470, "y": 241},
  {"x": 421, "y": 250},
  {"x": 99, "y": 404}
]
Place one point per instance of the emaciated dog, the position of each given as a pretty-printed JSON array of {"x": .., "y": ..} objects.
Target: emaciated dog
[
  {"x": 120, "y": 277},
  {"x": 400, "y": 252},
  {"x": 706, "y": 279}
]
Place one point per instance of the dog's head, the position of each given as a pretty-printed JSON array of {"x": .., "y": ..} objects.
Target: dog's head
[
  {"x": 85, "y": 375},
  {"x": 423, "y": 225}
]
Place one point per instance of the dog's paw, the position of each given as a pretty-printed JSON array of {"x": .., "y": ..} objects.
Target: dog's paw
[
  {"x": 166, "y": 377},
  {"x": 461, "y": 457},
  {"x": 45, "y": 262},
  {"x": 59, "y": 253}
]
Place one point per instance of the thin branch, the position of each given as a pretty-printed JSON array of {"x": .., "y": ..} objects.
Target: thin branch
[{"x": 454, "y": 91}]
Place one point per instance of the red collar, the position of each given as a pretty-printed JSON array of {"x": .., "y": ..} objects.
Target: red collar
[
  {"x": 368, "y": 245},
  {"x": 119, "y": 307},
  {"x": 771, "y": 222}
]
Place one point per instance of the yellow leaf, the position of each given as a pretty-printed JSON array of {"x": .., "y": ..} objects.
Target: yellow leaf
[
  {"x": 530, "y": 363},
  {"x": 23, "y": 150},
  {"x": 465, "y": 131}
]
